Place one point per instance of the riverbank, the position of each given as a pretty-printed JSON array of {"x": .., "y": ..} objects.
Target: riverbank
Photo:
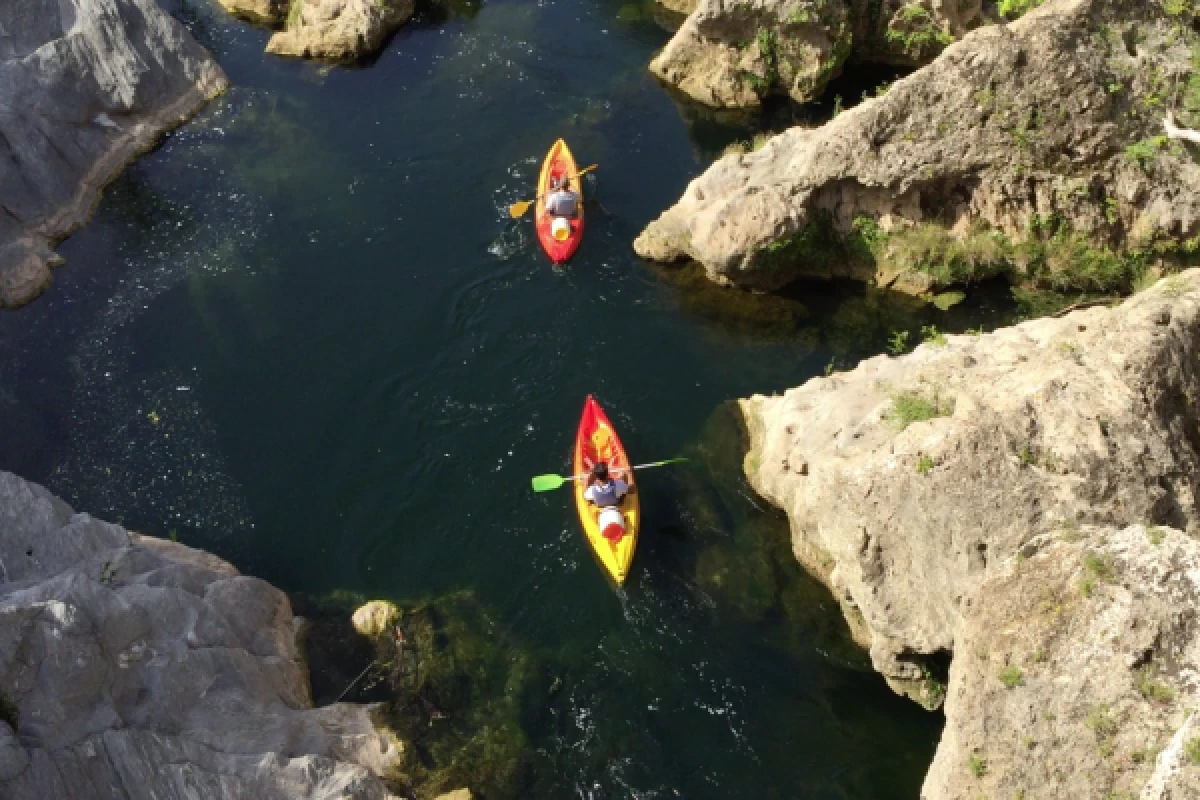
[
  {"x": 1019, "y": 507},
  {"x": 1033, "y": 150}
]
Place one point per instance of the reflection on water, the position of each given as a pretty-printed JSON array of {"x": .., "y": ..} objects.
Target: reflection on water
[{"x": 305, "y": 334}]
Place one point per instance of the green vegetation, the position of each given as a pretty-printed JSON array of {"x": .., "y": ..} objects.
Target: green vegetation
[
  {"x": 898, "y": 342},
  {"x": 1012, "y": 677},
  {"x": 8, "y": 711},
  {"x": 1155, "y": 534},
  {"x": 1191, "y": 750},
  {"x": 1145, "y": 152},
  {"x": 1101, "y": 721},
  {"x": 977, "y": 764},
  {"x": 935, "y": 689},
  {"x": 1012, "y": 9},
  {"x": 931, "y": 335},
  {"x": 1145, "y": 678},
  {"x": 817, "y": 246},
  {"x": 924, "y": 464},
  {"x": 915, "y": 32},
  {"x": 1096, "y": 569},
  {"x": 910, "y": 407},
  {"x": 932, "y": 250}
]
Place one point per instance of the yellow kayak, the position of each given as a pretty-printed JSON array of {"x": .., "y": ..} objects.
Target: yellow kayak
[{"x": 597, "y": 441}]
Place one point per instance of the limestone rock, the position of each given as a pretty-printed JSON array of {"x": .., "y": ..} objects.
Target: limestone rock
[
  {"x": 915, "y": 487},
  {"x": 1077, "y": 673},
  {"x": 260, "y": 12},
  {"x": 85, "y": 85},
  {"x": 457, "y": 794},
  {"x": 1052, "y": 117},
  {"x": 376, "y": 618},
  {"x": 153, "y": 669},
  {"x": 339, "y": 30},
  {"x": 733, "y": 54}
]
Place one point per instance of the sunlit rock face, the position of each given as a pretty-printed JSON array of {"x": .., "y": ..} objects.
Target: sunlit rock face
[
  {"x": 1021, "y": 505},
  {"x": 155, "y": 670},
  {"x": 1043, "y": 130},
  {"x": 85, "y": 85}
]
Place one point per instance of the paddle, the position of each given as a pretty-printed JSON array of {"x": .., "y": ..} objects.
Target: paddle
[
  {"x": 519, "y": 209},
  {"x": 544, "y": 483}
]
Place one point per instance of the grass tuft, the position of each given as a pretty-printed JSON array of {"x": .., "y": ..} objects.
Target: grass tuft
[
  {"x": 910, "y": 407},
  {"x": 1012, "y": 677}
]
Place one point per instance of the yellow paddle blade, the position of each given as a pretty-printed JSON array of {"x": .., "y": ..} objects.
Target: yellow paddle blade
[{"x": 519, "y": 209}]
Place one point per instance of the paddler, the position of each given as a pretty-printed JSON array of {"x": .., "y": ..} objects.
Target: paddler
[
  {"x": 603, "y": 491},
  {"x": 562, "y": 202}
]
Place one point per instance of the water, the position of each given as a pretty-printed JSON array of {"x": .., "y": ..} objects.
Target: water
[{"x": 304, "y": 334}]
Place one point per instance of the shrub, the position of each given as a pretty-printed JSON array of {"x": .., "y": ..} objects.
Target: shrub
[
  {"x": 931, "y": 249},
  {"x": 1012, "y": 677},
  {"x": 1192, "y": 750},
  {"x": 1147, "y": 683},
  {"x": 977, "y": 764},
  {"x": 1012, "y": 9},
  {"x": 1101, "y": 721},
  {"x": 910, "y": 407},
  {"x": 924, "y": 465}
]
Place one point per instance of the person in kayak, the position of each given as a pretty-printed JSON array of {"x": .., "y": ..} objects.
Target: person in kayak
[
  {"x": 562, "y": 202},
  {"x": 604, "y": 491}
]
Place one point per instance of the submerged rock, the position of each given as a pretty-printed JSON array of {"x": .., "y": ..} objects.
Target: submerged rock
[
  {"x": 87, "y": 85},
  {"x": 917, "y": 487},
  {"x": 261, "y": 12},
  {"x": 153, "y": 669},
  {"x": 339, "y": 30},
  {"x": 732, "y": 55},
  {"x": 1043, "y": 131}
]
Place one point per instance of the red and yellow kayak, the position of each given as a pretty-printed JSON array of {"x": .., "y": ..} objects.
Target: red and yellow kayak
[
  {"x": 597, "y": 441},
  {"x": 559, "y": 162}
]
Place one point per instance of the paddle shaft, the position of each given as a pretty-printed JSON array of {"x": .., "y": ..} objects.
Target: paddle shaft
[{"x": 624, "y": 469}]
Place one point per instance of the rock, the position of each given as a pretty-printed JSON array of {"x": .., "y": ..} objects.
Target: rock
[
  {"x": 732, "y": 55},
  {"x": 259, "y": 12},
  {"x": 1078, "y": 669},
  {"x": 96, "y": 82},
  {"x": 945, "y": 494},
  {"x": 153, "y": 669},
  {"x": 376, "y": 618},
  {"x": 1046, "y": 124},
  {"x": 458, "y": 794},
  {"x": 339, "y": 30}
]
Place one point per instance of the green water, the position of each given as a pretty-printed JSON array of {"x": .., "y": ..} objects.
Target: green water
[{"x": 303, "y": 334}]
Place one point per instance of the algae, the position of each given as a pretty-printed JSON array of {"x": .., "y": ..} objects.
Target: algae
[{"x": 455, "y": 692}]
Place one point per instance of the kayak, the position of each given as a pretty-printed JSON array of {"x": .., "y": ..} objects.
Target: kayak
[
  {"x": 597, "y": 441},
  {"x": 559, "y": 162}
]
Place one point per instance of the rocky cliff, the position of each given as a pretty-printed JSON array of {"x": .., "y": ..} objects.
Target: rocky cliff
[
  {"x": 1022, "y": 506},
  {"x": 1032, "y": 149},
  {"x": 735, "y": 54},
  {"x": 85, "y": 85},
  {"x": 133, "y": 667}
]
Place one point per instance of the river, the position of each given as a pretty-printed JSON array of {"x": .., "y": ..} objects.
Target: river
[{"x": 304, "y": 334}]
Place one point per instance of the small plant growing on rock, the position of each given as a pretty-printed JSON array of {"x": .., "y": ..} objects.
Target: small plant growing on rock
[
  {"x": 931, "y": 335},
  {"x": 1012, "y": 677},
  {"x": 1101, "y": 721},
  {"x": 924, "y": 465},
  {"x": 1191, "y": 750},
  {"x": 1155, "y": 534},
  {"x": 1096, "y": 569},
  {"x": 977, "y": 764},
  {"x": 910, "y": 407},
  {"x": 1145, "y": 678},
  {"x": 898, "y": 342},
  {"x": 1011, "y": 9}
]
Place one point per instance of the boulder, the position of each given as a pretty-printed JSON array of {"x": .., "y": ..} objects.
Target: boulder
[
  {"x": 1022, "y": 506},
  {"x": 734, "y": 54},
  {"x": 259, "y": 12},
  {"x": 376, "y": 618},
  {"x": 152, "y": 669},
  {"x": 339, "y": 30},
  {"x": 85, "y": 85},
  {"x": 1046, "y": 126}
]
